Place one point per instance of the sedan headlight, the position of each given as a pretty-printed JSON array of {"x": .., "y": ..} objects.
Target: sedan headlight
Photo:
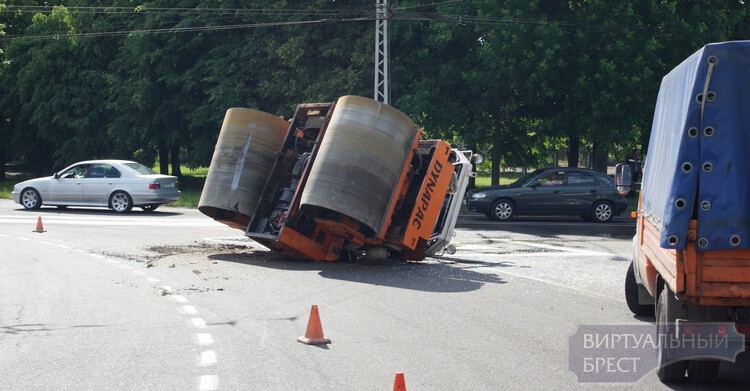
[{"x": 476, "y": 196}]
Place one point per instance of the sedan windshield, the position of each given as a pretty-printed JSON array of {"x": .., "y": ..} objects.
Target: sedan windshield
[{"x": 140, "y": 168}]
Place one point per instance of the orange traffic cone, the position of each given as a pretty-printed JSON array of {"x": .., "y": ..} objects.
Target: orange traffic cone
[
  {"x": 314, "y": 333},
  {"x": 39, "y": 226},
  {"x": 399, "y": 384}
]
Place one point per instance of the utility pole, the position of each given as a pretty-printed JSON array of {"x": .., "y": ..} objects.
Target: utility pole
[{"x": 382, "y": 53}]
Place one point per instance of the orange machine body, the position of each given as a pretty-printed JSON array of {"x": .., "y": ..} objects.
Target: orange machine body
[{"x": 413, "y": 209}]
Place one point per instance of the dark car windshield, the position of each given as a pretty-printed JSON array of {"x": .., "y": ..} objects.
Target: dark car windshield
[{"x": 140, "y": 168}]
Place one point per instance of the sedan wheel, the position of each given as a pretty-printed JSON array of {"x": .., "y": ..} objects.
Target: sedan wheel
[
  {"x": 502, "y": 210},
  {"x": 602, "y": 212},
  {"x": 120, "y": 202},
  {"x": 30, "y": 199}
]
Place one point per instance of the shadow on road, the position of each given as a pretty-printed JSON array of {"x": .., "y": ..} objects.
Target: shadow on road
[{"x": 420, "y": 276}]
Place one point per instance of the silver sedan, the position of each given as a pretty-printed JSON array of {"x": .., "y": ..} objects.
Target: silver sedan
[{"x": 117, "y": 184}]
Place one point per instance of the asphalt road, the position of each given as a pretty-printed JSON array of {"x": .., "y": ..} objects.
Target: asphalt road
[{"x": 172, "y": 300}]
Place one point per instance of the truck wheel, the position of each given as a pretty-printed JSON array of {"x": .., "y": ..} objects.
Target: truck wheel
[
  {"x": 703, "y": 371},
  {"x": 631, "y": 295},
  {"x": 668, "y": 309}
]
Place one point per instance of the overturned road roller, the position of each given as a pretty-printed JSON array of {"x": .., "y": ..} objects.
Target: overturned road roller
[{"x": 348, "y": 180}]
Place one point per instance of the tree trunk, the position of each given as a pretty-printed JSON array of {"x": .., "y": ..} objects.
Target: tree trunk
[
  {"x": 2, "y": 162},
  {"x": 175, "y": 155},
  {"x": 600, "y": 157},
  {"x": 495, "y": 153},
  {"x": 163, "y": 158},
  {"x": 574, "y": 150},
  {"x": 42, "y": 163}
]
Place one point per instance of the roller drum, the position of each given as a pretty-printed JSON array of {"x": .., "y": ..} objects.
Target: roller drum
[
  {"x": 241, "y": 164},
  {"x": 359, "y": 162}
]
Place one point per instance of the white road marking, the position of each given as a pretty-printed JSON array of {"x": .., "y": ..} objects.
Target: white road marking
[
  {"x": 208, "y": 383},
  {"x": 204, "y": 339},
  {"x": 199, "y": 323},
  {"x": 189, "y": 309},
  {"x": 133, "y": 222},
  {"x": 559, "y": 249},
  {"x": 208, "y": 358}
]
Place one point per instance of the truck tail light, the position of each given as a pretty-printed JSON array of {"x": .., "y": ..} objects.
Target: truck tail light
[{"x": 154, "y": 185}]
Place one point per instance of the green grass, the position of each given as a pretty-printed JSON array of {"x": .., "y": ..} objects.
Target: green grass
[
  {"x": 6, "y": 186},
  {"x": 505, "y": 178},
  {"x": 190, "y": 188}
]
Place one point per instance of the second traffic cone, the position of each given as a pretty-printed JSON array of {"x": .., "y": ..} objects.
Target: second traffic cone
[
  {"x": 399, "y": 384},
  {"x": 39, "y": 226},
  {"x": 314, "y": 333}
]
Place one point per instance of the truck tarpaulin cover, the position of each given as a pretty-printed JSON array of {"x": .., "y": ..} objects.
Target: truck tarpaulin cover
[{"x": 698, "y": 162}]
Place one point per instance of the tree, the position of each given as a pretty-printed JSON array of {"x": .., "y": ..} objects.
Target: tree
[{"x": 4, "y": 120}]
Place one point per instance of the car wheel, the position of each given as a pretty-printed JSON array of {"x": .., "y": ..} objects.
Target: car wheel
[
  {"x": 668, "y": 309},
  {"x": 149, "y": 208},
  {"x": 602, "y": 212},
  {"x": 30, "y": 199},
  {"x": 502, "y": 210},
  {"x": 631, "y": 295},
  {"x": 120, "y": 202}
]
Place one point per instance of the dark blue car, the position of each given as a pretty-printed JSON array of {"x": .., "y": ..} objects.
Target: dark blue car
[{"x": 552, "y": 191}]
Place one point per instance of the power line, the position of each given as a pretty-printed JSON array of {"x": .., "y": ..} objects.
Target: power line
[
  {"x": 324, "y": 16},
  {"x": 182, "y": 29}
]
